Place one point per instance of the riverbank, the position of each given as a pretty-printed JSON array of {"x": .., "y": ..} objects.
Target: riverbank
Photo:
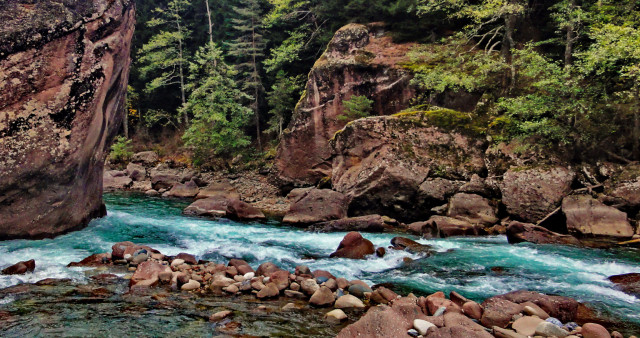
[{"x": 477, "y": 268}]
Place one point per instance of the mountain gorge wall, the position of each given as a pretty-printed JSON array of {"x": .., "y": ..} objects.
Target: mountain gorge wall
[{"x": 64, "y": 67}]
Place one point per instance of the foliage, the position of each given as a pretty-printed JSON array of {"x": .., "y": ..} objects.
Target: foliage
[
  {"x": 283, "y": 98},
  {"x": 121, "y": 150},
  {"x": 216, "y": 105},
  {"x": 355, "y": 108}
]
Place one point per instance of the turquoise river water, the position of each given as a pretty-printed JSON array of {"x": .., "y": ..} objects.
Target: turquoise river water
[{"x": 461, "y": 264}]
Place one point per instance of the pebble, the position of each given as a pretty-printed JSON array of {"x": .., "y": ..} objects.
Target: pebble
[
  {"x": 348, "y": 301},
  {"x": 526, "y": 325},
  {"x": 549, "y": 329},
  {"x": 422, "y": 326},
  {"x": 177, "y": 262},
  {"x": 127, "y": 257},
  {"x": 554, "y": 321},
  {"x": 413, "y": 333},
  {"x": 336, "y": 314},
  {"x": 191, "y": 285},
  {"x": 231, "y": 289},
  {"x": 219, "y": 316},
  {"x": 440, "y": 311},
  {"x": 592, "y": 330},
  {"x": 249, "y": 275}
]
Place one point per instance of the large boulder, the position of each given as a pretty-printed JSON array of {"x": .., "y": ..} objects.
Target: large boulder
[
  {"x": 563, "y": 308},
  {"x": 136, "y": 171},
  {"x": 588, "y": 217},
  {"x": 441, "y": 226},
  {"x": 20, "y": 268},
  {"x": 624, "y": 187},
  {"x": 386, "y": 321},
  {"x": 354, "y": 246},
  {"x": 146, "y": 158},
  {"x": 221, "y": 206},
  {"x": 356, "y": 62},
  {"x": 381, "y": 162},
  {"x": 184, "y": 190},
  {"x": 472, "y": 208},
  {"x": 629, "y": 283},
  {"x": 64, "y": 67},
  {"x": 115, "y": 180},
  {"x": 529, "y": 194},
  {"x": 518, "y": 232},
  {"x": 315, "y": 205},
  {"x": 369, "y": 223}
]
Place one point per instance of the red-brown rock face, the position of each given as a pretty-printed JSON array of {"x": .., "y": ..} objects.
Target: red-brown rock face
[
  {"x": 64, "y": 67},
  {"x": 355, "y": 63}
]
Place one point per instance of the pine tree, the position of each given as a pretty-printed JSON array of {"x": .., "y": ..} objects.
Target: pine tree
[
  {"x": 282, "y": 98},
  {"x": 215, "y": 102},
  {"x": 248, "y": 49},
  {"x": 163, "y": 57}
]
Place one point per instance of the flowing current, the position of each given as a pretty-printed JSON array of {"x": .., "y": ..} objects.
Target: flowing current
[{"x": 478, "y": 268}]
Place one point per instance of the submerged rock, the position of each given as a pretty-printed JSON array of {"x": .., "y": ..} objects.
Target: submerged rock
[
  {"x": 522, "y": 232},
  {"x": 629, "y": 283},
  {"x": 221, "y": 206},
  {"x": 354, "y": 246},
  {"x": 20, "y": 268},
  {"x": 65, "y": 67}
]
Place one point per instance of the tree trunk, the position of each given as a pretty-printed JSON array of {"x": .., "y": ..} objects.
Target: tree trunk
[
  {"x": 210, "y": 22},
  {"x": 568, "y": 50}
]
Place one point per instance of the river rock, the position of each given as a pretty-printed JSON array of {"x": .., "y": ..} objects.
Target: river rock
[
  {"x": 217, "y": 189},
  {"x": 146, "y": 158},
  {"x": 455, "y": 319},
  {"x": 629, "y": 283},
  {"x": 563, "y": 308},
  {"x": 409, "y": 245},
  {"x": 359, "y": 290},
  {"x": 148, "y": 270},
  {"x": 266, "y": 269},
  {"x": 354, "y": 246},
  {"x": 270, "y": 290},
  {"x": 304, "y": 154},
  {"x": 187, "y": 258},
  {"x": 422, "y": 326},
  {"x": 547, "y": 329},
  {"x": 323, "y": 273},
  {"x": 281, "y": 279},
  {"x": 115, "y": 180},
  {"x": 498, "y": 312},
  {"x": 472, "y": 208},
  {"x": 383, "y": 295},
  {"x": 587, "y": 216},
  {"x": 592, "y": 330},
  {"x": 518, "y": 232},
  {"x": 534, "y": 310},
  {"x": 20, "y": 268},
  {"x": 308, "y": 206},
  {"x": 530, "y": 194},
  {"x": 242, "y": 266},
  {"x": 322, "y": 297},
  {"x": 526, "y": 325},
  {"x": 93, "y": 260},
  {"x": 336, "y": 314},
  {"x": 186, "y": 190},
  {"x": 218, "y": 316},
  {"x": 504, "y": 333},
  {"x": 472, "y": 310},
  {"x": 368, "y": 223},
  {"x": 136, "y": 172},
  {"x": 224, "y": 207},
  {"x": 309, "y": 286},
  {"x": 348, "y": 301},
  {"x": 443, "y": 227},
  {"x": 65, "y": 67}
]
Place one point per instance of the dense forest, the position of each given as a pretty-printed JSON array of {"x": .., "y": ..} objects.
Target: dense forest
[{"x": 222, "y": 77}]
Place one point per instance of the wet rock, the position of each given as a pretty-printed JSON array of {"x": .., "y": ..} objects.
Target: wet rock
[
  {"x": 148, "y": 270},
  {"x": 20, "y": 268},
  {"x": 93, "y": 260},
  {"x": 280, "y": 278},
  {"x": 348, "y": 301},
  {"x": 526, "y": 325},
  {"x": 147, "y": 158},
  {"x": 218, "y": 316},
  {"x": 294, "y": 294},
  {"x": 241, "y": 266},
  {"x": 380, "y": 252},
  {"x": 592, "y": 330},
  {"x": 409, "y": 245},
  {"x": 270, "y": 290},
  {"x": 563, "y": 308},
  {"x": 354, "y": 246},
  {"x": 472, "y": 208},
  {"x": 422, "y": 326},
  {"x": 187, "y": 258},
  {"x": 530, "y": 194},
  {"x": 302, "y": 270},
  {"x": 589, "y": 217},
  {"x": 224, "y": 207},
  {"x": 322, "y": 297},
  {"x": 383, "y": 295},
  {"x": 629, "y": 283},
  {"x": 337, "y": 315},
  {"x": 323, "y": 273},
  {"x": 472, "y": 310},
  {"x": 342, "y": 283},
  {"x": 458, "y": 320},
  {"x": 266, "y": 269},
  {"x": 523, "y": 232},
  {"x": 547, "y": 329},
  {"x": 186, "y": 190},
  {"x": 534, "y": 310},
  {"x": 436, "y": 305},
  {"x": 310, "y": 206},
  {"x": 368, "y": 223},
  {"x": 447, "y": 227},
  {"x": 359, "y": 290}
]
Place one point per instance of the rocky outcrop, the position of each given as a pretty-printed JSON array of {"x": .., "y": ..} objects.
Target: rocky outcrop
[
  {"x": 518, "y": 232},
  {"x": 64, "y": 67},
  {"x": 315, "y": 205},
  {"x": 381, "y": 162},
  {"x": 356, "y": 62},
  {"x": 369, "y": 223}
]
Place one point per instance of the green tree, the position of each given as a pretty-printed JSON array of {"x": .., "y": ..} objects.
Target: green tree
[
  {"x": 163, "y": 58},
  {"x": 282, "y": 99},
  {"x": 248, "y": 49},
  {"x": 219, "y": 117},
  {"x": 355, "y": 108}
]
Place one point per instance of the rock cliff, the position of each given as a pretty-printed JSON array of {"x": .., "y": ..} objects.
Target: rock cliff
[
  {"x": 358, "y": 61},
  {"x": 64, "y": 67}
]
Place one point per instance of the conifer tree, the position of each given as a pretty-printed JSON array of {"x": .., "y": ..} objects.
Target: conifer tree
[{"x": 248, "y": 49}]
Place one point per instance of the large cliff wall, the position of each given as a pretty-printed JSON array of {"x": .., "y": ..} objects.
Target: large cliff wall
[
  {"x": 64, "y": 67},
  {"x": 358, "y": 61}
]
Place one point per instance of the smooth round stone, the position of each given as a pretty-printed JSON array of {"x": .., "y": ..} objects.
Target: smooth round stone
[
  {"x": 294, "y": 286},
  {"x": 359, "y": 290},
  {"x": 348, "y": 301},
  {"x": 231, "y": 289},
  {"x": 127, "y": 257},
  {"x": 526, "y": 325},
  {"x": 191, "y": 285},
  {"x": 249, "y": 275},
  {"x": 422, "y": 326},
  {"x": 218, "y": 316},
  {"x": 554, "y": 321},
  {"x": 238, "y": 278},
  {"x": 592, "y": 330},
  {"x": 322, "y": 297},
  {"x": 321, "y": 279},
  {"x": 177, "y": 262},
  {"x": 309, "y": 286},
  {"x": 336, "y": 314},
  {"x": 139, "y": 258},
  {"x": 548, "y": 329},
  {"x": 413, "y": 333},
  {"x": 269, "y": 290}
]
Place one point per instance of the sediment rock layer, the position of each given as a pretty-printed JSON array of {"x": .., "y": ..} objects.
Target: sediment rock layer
[{"x": 64, "y": 67}]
